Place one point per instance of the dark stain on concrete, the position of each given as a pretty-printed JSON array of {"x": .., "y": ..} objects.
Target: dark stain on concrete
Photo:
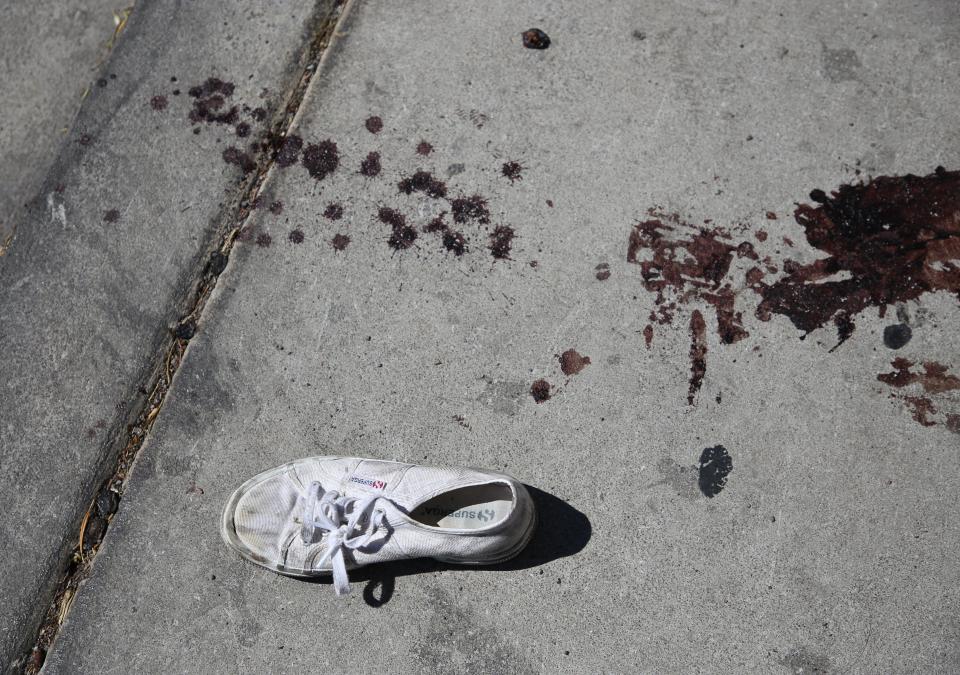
[
  {"x": 158, "y": 102},
  {"x": 424, "y": 148},
  {"x": 370, "y": 165},
  {"x": 602, "y": 271},
  {"x": 804, "y": 661},
  {"x": 286, "y": 151},
  {"x": 512, "y": 170},
  {"x": 340, "y": 242},
  {"x": 296, "y": 236},
  {"x": 455, "y": 242},
  {"x": 715, "y": 465},
  {"x": 894, "y": 238},
  {"x": 934, "y": 379},
  {"x": 840, "y": 65},
  {"x": 501, "y": 241},
  {"x": 423, "y": 181},
  {"x": 111, "y": 216},
  {"x": 334, "y": 211},
  {"x": 698, "y": 354},
  {"x": 540, "y": 391},
  {"x": 897, "y": 336},
  {"x": 321, "y": 159},
  {"x": 465, "y": 209},
  {"x": 535, "y": 38},
  {"x": 572, "y": 362},
  {"x": 374, "y": 124}
]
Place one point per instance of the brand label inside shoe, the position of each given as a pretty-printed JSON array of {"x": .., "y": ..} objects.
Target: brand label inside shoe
[
  {"x": 369, "y": 482},
  {"x": 479, "y": 514}
]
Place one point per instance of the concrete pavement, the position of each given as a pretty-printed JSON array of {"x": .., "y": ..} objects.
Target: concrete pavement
[
  {"x": 107, "y": 259},
  {"x": 739, "y": 495}
]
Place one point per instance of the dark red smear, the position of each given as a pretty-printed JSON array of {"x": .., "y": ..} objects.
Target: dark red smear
[
  {"x": 321, "y": 158},
  {"x": 501, "y": 240},
  {"x": 921, "y": 408},
  {"x": 698, "y": 354},
  {"x": 455, "y": 242},
  {"x": 934, "y": 379},
  {"x": 423, "y": 181},
  {"x": 334, "y": 211},
  {"x": 370, "y": 166},
  {"x": 540, "y": 390},
  {"x": 339, "y": 241},
  {"x": 374, "y": 124},
  {"x": 648, "y": 335},
  {"x": 391, "y": 217},
  {"x": 402, "y": 235},
  {"x": 895, "y": 237},
  {"x": 572, "y": 362},
  {"x": 470, "y": 208},
  {"x": 692, "y": 262},
  {"x": 771, "y": 216},
  {"x": 424, "y": 148},
  {"x": 761, "y": 235}
]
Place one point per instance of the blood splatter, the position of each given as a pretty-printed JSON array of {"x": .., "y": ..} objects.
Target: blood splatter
[
  {"x": 287, "y": 151},
  {"x": 540, "y": 391},
  {"x": 321, "y": 158},
  {"x": 276, "y": 208},
  {"x": 501, "y": 240},
  {"x": 715, "y": 465},
  {"x": 264, "y": 240},
  {"x": 648, "y": 335},
  {"x": 698, "y": 354},
  {"x": 572, "y": 362},
  {"x": 423, "y": 181},
  {"x": 402, "y": 235},
  {"x": 339, "y": 241},
  {"x": 158, "y": 102},
  {"x": 761, "y": 235},
  {"x": 243, "y": 129},
  {"x": 602, "y": 271},
  {"x": 470, "y": 208},
  {"x": 334, "y": 211},
  {"x": 424, "y": 148},
  {"x": 374, "y": 124},
  {"x": 893, "y": 239},
  {"x": 210, "y": 97},
  {"x": 111, "y": 216},
  {"x": 438, "y": 224},
  {"x": 296, "y": 236},
  {"x": 455, "y": 242},
  {"x": 512, "y": 170},
  {"x": 934, "y": 379},
  {"x": 239, "y": 158},
  {"x": 370, "y": 165}
]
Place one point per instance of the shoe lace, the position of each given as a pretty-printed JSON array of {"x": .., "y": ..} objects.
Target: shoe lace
[{"x": 350, "y": 523}]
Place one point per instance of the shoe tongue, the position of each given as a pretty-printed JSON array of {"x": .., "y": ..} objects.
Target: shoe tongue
[{"x": 371, "y": 476}]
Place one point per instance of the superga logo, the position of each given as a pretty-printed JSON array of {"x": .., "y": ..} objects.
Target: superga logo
[
  {"x": 481, "y": 514},
  {"x": 369, "y": 482}
]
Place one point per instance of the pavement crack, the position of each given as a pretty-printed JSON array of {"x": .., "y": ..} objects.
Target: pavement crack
[{"x": 106, "y": 498}]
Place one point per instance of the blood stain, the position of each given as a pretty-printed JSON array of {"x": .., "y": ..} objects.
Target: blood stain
[
  {"x": 893, "y": 239},
  {"x": 374, "y": 124},
  {"x": 512, "y": 170},
  {"x": 470, "y": 208},
  {"x": 535, "y": 39},
  {"x": 771, "y": 216},
  {"x": 287, "y": 151},
  {"x": 296, "y": 236},
  {"x": 572, "y": 362},
  {"x": 321, "y": 158},
  {"x": 339, "y": 241},
  {"x": 934, "y": 379},
  {"x": 210, "y": 97},
  {"x": 276, "y": 208},
  {"x": 243, "y": 129},
  {"x": 761, "y": 235},
  {"x": 238, "y": 157},
  {"x": 334, "y": 211},
  {"x": 158, "y": 102},
  {"x": 370, "y": 165},
  {"x": 402, "y": 235},
  {"x": 550, "y": 203},
  {"x": 501, "y": 240},
  {"x": 648, "y": 335},
  {"x": 424, "y": 148},
  {"x": 602, "y": 271},
  {"x": 111, "y": 216},
  {"x": 423, "y": 181},
  {"x": 698, "y": 354},
  {"x": 455, "y": 242},
  {"x": 264, "y": 240},
  {"x": 438, "y": 224},
  {"x": 540, "y": 391},
  {"x": 715, "y": 465}
]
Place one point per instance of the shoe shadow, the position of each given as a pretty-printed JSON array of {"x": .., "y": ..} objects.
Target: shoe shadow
[{"x": 561, "y": 531}]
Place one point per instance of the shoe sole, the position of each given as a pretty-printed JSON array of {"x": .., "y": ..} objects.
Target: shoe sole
[{"x": 229, "y": 535}]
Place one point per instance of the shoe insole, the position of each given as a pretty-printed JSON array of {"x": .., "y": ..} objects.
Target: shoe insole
[{"x": 470, "y": 508}]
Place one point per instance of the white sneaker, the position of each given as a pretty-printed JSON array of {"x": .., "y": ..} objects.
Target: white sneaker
[{"x": 324, "y": 515}]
